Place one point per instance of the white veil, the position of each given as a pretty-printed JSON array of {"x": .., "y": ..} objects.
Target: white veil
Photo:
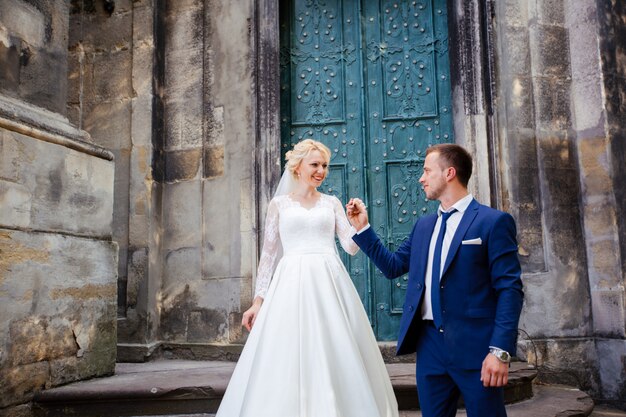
[{"x": 287, "y": 183}]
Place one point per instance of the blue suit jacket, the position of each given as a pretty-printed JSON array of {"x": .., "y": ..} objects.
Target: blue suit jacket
[{"x": 482, "y": 295}]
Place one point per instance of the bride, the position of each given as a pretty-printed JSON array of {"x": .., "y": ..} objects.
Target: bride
[{"x": 311, "y": 351}]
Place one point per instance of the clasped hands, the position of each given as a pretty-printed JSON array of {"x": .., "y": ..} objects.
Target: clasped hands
[{"x": 357, "y": 213}]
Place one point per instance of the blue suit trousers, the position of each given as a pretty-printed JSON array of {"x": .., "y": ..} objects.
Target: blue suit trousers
[{"x": 440, "y": 383}]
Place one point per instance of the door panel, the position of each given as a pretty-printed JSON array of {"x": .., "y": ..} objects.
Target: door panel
[
  {"x": 371, "y": 81},
  {"x": 321, "y": 78}
]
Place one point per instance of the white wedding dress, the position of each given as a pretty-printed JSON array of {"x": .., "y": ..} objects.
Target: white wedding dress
[{"x": 311, "y": 351}]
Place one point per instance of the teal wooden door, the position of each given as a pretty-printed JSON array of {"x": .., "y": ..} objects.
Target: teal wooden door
[{"x": 370, "y": 80}]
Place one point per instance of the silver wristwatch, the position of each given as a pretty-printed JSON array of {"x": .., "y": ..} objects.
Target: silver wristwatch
[{"x": 502, "y": 355}]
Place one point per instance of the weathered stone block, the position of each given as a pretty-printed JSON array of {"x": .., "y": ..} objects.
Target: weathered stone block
[
  {"x": 19, "y": 383},
  {"x": 182, "y": 215},
  {"x": 175, "y": 7},
  {"x": 96, "y": 363},
  {"x": 182, "y": 266},
  {"x": 10, "y": 68},
  {"x": 33, "y": 52},
  {"x": 550, "y": 12},
  {"x": 184, "y": 319},
  {"x": 516, "y": 51},
  {"x": 514, "y": 13},
  {"x": 217, "y": 208},
  {"x": 213, "y": 161},
  {"x": 69, "y": 190},
  {"x": 71, "y": 283},
  {"x": 141, "y": 133},
  {"x": 24, "y": 21},
  {"x": 142, "y": 70},
  {"x": 185, "y": 82},
  {"x": 15, "y": 204},
  {"x": 137, "y": 275},
  {"x": 74, "y": 113},
  {"x": 608, "y": 312},
  {"x": 120, "y": 210},
  {"x": 36, "y": 339},
  {"x": 185, "y": 28},
  {"x": 568, "y": 361},
  {"x": 612, "y": 358},
  {"x": 75, "y": 74},
  {"x": 88, "y": 29},
  {"x": 43, "y": 81},
  {"x": 182, "y": 165},
  {"x": 183, "y": 121},
  {"x": 519, "y": 103},
  {"x": 110, "y": 85},
  {"x": 556, "y": 303},
  {"x": 109, "y": 123},
  {"x": 615, "y": 90},
  {"x": 552, "y": 103},
  {"x": 550, "y": 51},
  {"x": 143, "y": 26}
]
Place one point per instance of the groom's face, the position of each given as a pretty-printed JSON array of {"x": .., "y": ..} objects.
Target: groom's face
[{"x": 433, "y": 179}]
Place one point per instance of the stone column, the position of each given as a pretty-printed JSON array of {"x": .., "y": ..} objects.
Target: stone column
[
  {"x": 58, "y": 263},
  {"x": 541, "y": 185},
  {"x": 599, "y": 125}
]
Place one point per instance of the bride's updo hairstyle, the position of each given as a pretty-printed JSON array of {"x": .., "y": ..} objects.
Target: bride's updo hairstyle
[{"x": 301, "y": 150}]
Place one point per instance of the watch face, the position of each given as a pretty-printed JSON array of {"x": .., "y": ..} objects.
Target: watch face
[{"x": 501, "y": 355}]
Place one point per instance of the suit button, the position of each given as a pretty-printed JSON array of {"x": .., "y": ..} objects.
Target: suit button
[
  {"x": 441, "y": 287},
  {"x": 419, "y": 286},
  {"x": 441, "y": 329},
  {"x": 410, "y": 308},
  {"x": 444, "y": 311}
]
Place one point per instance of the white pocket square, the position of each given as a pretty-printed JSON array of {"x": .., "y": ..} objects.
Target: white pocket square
[{"x": 477, "y": 241}]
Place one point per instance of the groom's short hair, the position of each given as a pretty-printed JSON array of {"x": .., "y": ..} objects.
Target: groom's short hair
[{"x": 452, "y": 155}]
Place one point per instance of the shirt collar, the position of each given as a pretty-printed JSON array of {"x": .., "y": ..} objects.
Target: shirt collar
[{"x": 460, "y": 205}]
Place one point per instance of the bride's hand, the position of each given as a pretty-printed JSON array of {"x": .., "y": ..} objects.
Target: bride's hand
[
  {"x": 249, "y": 316},
  {"x": 357, "y": 213}
]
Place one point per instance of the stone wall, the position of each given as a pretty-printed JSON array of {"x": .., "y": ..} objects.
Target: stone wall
[
  {"x": 178, "y": 115},
  {"x": 58, "y": 263},
  {"x": 561, "y": 185},
  {"x": 57, "y": 269}
]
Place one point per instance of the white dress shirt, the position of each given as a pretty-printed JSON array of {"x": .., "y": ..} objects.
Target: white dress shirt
[{"x": 452, "y": 225}]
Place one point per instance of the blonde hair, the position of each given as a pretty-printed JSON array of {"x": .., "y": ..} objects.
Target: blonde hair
[{"x": 301, "y": 150}]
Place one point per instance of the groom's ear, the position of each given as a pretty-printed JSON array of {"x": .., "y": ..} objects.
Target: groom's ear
[{"x": 450, "y": 173}]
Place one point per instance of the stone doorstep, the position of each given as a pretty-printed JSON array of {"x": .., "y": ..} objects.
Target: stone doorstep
[
  {"x": 182, "y": 386},
  {"x": 548, "y": 401}
]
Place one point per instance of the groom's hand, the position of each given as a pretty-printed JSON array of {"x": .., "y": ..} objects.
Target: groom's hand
[
  {"x": 357, "y": 213},
  {"x": 494, "y": 372}
]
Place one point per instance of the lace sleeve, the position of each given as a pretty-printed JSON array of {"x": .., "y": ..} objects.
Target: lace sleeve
[
  {"x": 270, "y": 253},
  {"x": 344, "y": 229}
]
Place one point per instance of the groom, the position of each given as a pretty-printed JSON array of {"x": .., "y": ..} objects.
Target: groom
[{"x": 464, "y": 294}]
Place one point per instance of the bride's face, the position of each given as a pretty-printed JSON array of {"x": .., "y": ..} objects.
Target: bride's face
[{"x": 313, "y": 169}]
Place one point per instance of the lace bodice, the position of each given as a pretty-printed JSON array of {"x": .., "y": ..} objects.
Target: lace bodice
[{"x": 291, "y": 229}]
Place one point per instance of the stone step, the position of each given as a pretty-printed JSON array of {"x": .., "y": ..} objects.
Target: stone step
[
  {"x": 603, "y": 410},
  {"x": 548, "y": 401},
  {"x": 179, "y": 387}
]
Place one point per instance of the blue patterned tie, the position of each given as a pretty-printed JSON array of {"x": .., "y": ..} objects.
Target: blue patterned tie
[{"x": 435, "y": 299}]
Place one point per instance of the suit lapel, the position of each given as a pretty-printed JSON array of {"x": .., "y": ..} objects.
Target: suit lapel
[{"x": 466, "y": 221}]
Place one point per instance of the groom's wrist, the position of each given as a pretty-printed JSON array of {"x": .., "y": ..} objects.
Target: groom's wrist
[
  {"x": 501, "y": 354},
  {"x": 364, "y": 228}
]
